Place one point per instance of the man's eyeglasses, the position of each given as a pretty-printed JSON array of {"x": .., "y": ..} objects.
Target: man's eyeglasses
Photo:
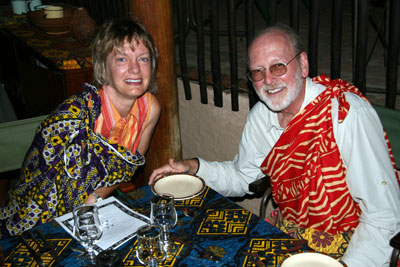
[{"x": 277, "y": 69}]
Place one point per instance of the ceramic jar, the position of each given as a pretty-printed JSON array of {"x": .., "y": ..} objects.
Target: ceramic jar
[{"x": 82, "y": 25}]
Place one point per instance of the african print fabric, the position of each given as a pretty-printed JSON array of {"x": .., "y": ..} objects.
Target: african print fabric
[
  {"x": 124, "y": 131},
  {"x": 65, "y": 163},
  {"x": 306, "y": 169},
  {"x": 332, "y": 245}
]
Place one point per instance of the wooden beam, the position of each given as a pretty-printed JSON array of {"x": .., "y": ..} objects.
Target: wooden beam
[{"x": 156, "y": 15}]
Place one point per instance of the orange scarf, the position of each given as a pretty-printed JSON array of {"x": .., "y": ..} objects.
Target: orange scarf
[
  {"x": 123, "y": 131},
  {"x": 306, "y": 169}
]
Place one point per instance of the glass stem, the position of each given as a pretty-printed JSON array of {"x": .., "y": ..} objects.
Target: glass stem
[
  {"x": 164, "y": 233},
  {"x": 90, "y": 249}
]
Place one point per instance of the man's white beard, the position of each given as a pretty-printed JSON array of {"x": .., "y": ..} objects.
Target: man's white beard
[{"x": 287, "y": 100}]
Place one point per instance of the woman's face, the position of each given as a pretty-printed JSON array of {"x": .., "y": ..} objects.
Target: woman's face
[{"x": 129, "y": 70}]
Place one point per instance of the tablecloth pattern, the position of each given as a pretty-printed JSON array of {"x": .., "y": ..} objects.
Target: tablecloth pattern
[{"x": 235, "y": 234}]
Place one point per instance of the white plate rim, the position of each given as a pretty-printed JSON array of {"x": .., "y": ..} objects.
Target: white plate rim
[
  {"x": 203, "y": 185},
  {"x": 312, "y": 254}
]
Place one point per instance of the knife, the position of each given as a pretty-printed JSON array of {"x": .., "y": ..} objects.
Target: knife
[{"x": 33, "y": 253}]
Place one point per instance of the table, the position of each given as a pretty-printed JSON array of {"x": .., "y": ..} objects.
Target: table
[
  {"x": 222, "y": 226},
  {"x": 39, "y": 68}
]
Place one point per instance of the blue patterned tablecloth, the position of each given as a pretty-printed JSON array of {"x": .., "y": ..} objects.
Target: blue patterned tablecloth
[{"x": 237, "y": 236}]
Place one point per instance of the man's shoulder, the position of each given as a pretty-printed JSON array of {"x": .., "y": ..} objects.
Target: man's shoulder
[
  {"x": 359, "y": 108},
  {"x": 356, "y": 102}
]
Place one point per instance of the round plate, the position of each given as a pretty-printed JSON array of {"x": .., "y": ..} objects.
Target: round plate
[
  {"x": 311, "y": 260},
  {"x": 181, "y": 186}
]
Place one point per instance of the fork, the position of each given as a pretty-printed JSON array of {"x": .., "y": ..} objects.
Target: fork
[
  {"x": 32, "y": 252},
  {"x": 44, "y": 245}
]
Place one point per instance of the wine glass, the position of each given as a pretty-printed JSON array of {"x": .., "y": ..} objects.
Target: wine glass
[
  {"x": 163, "y": 213},
  {"x": 87, "y": 227},
  {"x": 150, "y": 249}
]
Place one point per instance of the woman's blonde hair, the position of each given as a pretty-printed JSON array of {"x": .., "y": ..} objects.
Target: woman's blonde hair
[{"x": 112, "y": 36}]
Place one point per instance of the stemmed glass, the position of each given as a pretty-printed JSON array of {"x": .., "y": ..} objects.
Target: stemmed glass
[
  {"x": 150, "y": 249},
  {"x": 87, "y": 227},
  {"x": 163, "y": 213}
]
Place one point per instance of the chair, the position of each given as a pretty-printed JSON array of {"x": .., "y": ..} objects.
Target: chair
[
  {"x": 391, "y": 122},
  {"x": 263, "y": 186},
  {"x": 15, "y": 140},
  {"x": 390, "y": 119},
  {"x": 395, "y": 243}
]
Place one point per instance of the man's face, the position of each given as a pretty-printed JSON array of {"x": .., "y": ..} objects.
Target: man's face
[{"x": 279, "y": 93}]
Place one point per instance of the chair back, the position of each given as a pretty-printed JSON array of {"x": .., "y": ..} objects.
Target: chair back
[
  {"x": 391, "y": 123},
  {"x": 15, "y": 140}
]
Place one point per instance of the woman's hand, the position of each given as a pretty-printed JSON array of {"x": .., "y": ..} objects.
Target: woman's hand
[
  {"x": 91, "y": 199},
  {"x": 103, "y": 192},
  {"x": 188, "y": 166}
]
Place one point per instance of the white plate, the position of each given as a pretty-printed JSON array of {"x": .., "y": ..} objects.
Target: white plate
[
  {"x": 181, "y": 186},
  {"x": 311, "y": 260}
]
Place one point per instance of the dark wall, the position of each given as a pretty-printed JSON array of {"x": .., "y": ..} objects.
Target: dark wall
[{"x": 99, "y": 10}]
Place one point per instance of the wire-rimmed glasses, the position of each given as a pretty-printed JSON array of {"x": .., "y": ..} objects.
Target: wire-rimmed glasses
[
  {"x": 87, "y": 227},
  {"x": 277, "y": 70}
]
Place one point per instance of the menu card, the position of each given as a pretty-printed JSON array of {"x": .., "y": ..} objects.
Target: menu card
[{"x": 119, "y": 224}]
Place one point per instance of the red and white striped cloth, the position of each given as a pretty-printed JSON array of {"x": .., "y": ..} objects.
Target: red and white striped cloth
[{"x": 306, "y": 169}]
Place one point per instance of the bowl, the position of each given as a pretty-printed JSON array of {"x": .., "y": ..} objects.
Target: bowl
[
  {"x": 52, "y": 26},
  {"x": 53, "y": 12}
]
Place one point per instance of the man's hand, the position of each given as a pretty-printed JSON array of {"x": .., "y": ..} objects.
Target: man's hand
[{"x": 188, "y": 166}]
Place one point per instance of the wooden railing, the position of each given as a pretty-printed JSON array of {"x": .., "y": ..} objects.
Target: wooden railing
[
  {"x": 217, "y": 29},
  {"x": 202, "y": 20}
]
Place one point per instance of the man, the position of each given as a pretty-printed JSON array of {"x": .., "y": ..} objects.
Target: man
[{"x": 324, "y": 148}]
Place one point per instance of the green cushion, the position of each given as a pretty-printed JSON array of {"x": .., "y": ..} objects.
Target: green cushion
[
  {"x": 15, "y": 139},
  {"x": 391, "y": 123}
]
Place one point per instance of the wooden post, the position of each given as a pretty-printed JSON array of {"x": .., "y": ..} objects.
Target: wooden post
[{"x": 156, "y": 15}]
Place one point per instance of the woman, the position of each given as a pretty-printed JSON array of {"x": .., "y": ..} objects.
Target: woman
[{"x": 94, "y": 140}]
